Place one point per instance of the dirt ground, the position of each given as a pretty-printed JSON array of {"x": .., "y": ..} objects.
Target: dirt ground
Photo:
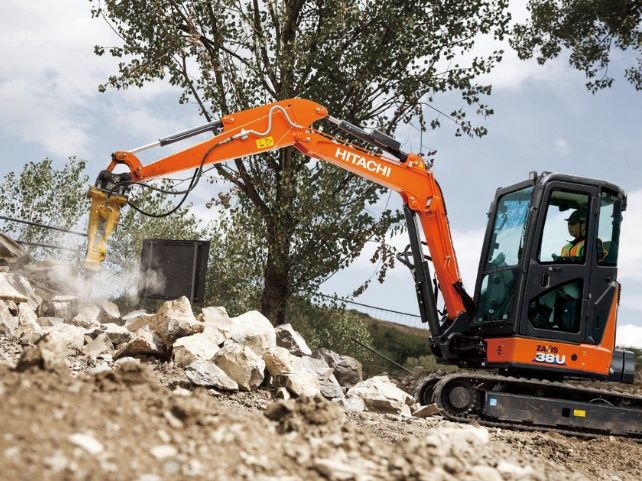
[{"x": 144, "y": 422}]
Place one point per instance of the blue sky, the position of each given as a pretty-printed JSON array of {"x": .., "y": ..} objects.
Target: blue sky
[{"x": 544, "y": 119}]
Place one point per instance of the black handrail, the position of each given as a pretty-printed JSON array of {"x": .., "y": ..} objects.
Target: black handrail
[{"x": 36, "y": 224}]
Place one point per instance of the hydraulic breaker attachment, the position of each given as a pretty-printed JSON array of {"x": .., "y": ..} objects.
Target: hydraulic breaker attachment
[{"x": 103, "y": 217}]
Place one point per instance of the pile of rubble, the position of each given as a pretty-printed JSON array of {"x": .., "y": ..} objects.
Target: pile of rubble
[
  {"x": 89, "y": 393},
  {"x": 56, "y": 326}
]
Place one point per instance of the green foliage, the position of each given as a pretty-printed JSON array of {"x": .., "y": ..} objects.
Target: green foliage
[
  {"x": 591, "y": 29},
  {"x": 133, "y": 227},
  {"x": 46, "y": 195},
  {"x": 370, "y": 63},
  {"x": 236, "y": 264},
  {"x": 428, "y": 362},
  {"x": 331, "y": 327},
  {"x": 395, "y": 342}
]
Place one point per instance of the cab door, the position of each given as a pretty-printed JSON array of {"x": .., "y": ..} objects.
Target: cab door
[
  {"x": 603, "y": 283},
  {"x": 555, "y": 301}
]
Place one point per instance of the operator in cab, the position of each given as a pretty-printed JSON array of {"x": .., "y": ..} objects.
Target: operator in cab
[{"x": 577, "y": 228}]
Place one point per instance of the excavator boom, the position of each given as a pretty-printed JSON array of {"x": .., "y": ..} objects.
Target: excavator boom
[{"x": 288, "y": 123}]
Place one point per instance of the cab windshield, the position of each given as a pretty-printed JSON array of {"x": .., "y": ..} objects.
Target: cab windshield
[
  {"x": 500, "y": 271},
  {"x": 509, "y": 229}
]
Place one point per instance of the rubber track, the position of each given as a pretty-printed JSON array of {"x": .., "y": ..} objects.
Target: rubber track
[{"x": 569, "y": 386}]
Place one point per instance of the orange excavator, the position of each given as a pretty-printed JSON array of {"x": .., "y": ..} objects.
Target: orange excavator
[{"x": 544, "y": 311}]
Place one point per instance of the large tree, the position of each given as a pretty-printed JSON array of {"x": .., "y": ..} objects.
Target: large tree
[
  {"x": 590, "y": 29},
  {"x": 370, "y": 62}
]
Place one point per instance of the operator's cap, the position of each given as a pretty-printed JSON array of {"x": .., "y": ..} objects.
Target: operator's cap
[{"x": 577, "y": 216}]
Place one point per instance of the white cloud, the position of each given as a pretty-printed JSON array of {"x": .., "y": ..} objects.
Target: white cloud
[
  {"x": 561, "y": 145},
  {"x": 629, "y": 335},
  {"x": 48, "y": 89},
  {"x": 468, "y": 245},
  {"x": 512, "y": 73}
]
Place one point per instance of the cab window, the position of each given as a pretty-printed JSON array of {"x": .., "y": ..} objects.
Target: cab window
[
  {"x": 609, "y": 228},
  {"x": 565, "y": 228}
]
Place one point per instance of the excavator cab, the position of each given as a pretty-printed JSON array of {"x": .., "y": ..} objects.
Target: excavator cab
[{"x": 546, "y": 295}]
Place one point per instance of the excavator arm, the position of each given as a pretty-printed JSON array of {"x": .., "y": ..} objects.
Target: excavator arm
[{"x": 288, "y": 123}]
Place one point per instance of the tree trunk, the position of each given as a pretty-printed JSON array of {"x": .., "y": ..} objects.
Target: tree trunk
[{"x": 277, "y": 288}]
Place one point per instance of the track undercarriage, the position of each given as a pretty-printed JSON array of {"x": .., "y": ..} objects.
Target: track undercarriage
[{"x": 533, "y": 404}]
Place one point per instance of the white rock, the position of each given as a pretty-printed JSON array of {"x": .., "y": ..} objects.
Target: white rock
[
  {"x": 425, "y": 411},
  {"x": 86, "y": 318},
  {"x": 23, "y": 286},
  {"x": 87, "y": 442},
  {"x": 192, "y": 348},
  {"x": 101, "y": 345},
  {"x": 149, "y": 477},
  {"x": 56, "y": 462},
  {"x": 8, "y": 292},
  {"x": 136, "y": 319},
  {"x": 53, "y": 351},
  {"x": 206, "y": 373},
  {"x": 347, "y": 370},
  {"x": 109, "y": 312},
  {"x": 142, "y": 342},
  {"x": 99, "y": 368},
  {"x": 302, "y": 382},
  {"x": 214, "y": 333},
  {"x": 126, "y": 360},
  {"x": 117, "y": 334},
  {"x": 10, "y": 249},
  {"x": 60, "y": 306},
  {"x": 72, "y": 337},
  {"x": 254, "y": 330},
  {"x": 317, "y": 366},
  {"x": 174, "y": 319},
  {"x": 352, "y": 404},
  {"x": 485, "y": 473},
  {"x": 163, "y": 451},
  {"x": 456, "y": 438},
  {"x": 504, "y": 467},
  {"x": 341, "y": 470},
  {"x": 381, "y": 395},
  {"x": 8, "y": 322},
  {"x": 217, "y": 318},
  {"x": 48, "y": 353},
  {"x": 241, "y": 364},
  {"x": 290, "y": 339},
  {"x": 28, "y": 330},
  {"x": 182, "y": 392},
  {"x": 328, "y": 384},
  {"x": 47, "y": 322},
  {"x": 278, "y": 361}
]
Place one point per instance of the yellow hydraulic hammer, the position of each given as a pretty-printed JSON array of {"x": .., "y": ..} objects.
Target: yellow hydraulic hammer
[{"x": 103, "y": 217}]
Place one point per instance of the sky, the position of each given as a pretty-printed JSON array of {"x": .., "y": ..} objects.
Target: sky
[{"x": 545, "y": 120}]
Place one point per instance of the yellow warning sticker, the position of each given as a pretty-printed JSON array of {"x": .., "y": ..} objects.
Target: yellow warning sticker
[
  {"x": 264, "y": 142},
  {"x": 579, "y": 413}
]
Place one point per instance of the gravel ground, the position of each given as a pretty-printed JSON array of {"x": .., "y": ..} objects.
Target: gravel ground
[{"x": 144, "y": 422}]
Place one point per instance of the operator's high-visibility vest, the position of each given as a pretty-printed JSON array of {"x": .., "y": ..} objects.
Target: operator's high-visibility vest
[{"x": 573, "y": 249}]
